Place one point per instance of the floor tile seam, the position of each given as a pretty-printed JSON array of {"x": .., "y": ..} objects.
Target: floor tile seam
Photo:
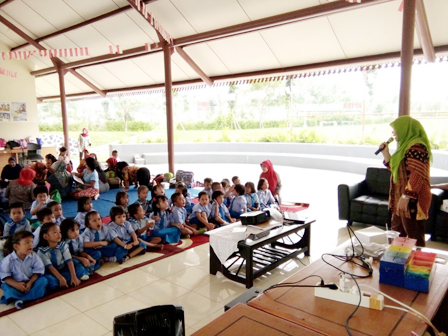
[
  {"x": 14, "y": 322},
  {"x": 122, "y": 294}
]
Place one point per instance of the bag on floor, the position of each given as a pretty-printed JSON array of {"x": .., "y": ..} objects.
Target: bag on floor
[
  {"x": 23, "y": 144},
  {"x": 55, "y": 195},
  {"x": 179, "y": 175},
  {"x": 167, "y": 177},
  {"x": 114, "y": 182},
  {"x": 157, "y": 180},
  {"x": 188, "y": 179}
]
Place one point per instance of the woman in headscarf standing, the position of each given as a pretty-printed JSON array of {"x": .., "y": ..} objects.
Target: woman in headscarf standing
[
  {"x": 83, "y": 142},
  {"x": 10, "y": 172},
  {"x": 269, "y": 173},
  {"x": 21, "y": 190},
  {"x": 410, "y": 191}
]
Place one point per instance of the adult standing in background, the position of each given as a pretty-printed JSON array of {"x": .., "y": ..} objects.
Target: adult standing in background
[
  {"x": 269, "y": 173},
  {"x": 410, "y": 191},
  {"x": 10, "y": 172},
  {"x": 83, "y": 142}
]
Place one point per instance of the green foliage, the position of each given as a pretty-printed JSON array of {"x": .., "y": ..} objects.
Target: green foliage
[{"x": 108, "y": 126}]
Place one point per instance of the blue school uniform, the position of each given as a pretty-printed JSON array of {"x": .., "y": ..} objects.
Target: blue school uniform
[
  {"x": 223, "y": 212},
  {"x": 21, "y": 271},
  {"x": 209, "y": 191},
  {"x": 58, "y": 258},
  {"x": 146, "y": 205},
  {"x": 35, "y": 204},
  {"x": 265, "y": 198},
  {"x": 123, "y": 232},
  {"x": 76, "y": 246},
  {"x": 59, "y": 220},
  {"x": 179, "y": 215},
  {"x": 139, "y": 224},
  {"x": 13, "y": 227},
  {"x": 237, "y": 206},
  {"x": 252, "y": 200},
  {"x": 163, "y": 229},
  {"x": 103, "y": 234},
  {"x": 81, "y": 220}
]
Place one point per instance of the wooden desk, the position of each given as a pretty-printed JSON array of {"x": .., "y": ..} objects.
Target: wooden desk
[
  {"x": 299, "y": 305},
  {"x": 244, "y": 320},
  {"x": 7, "y": 153}
]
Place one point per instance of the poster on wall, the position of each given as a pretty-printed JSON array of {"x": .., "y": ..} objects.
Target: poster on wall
[
  {"x": 19, "y": 111},
  {"x": 5, "y": 111}
]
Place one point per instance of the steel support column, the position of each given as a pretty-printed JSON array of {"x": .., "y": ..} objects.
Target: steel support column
[
  {"x": 167, "y": 49},
  {"x": 407, "y": 55},
  {"x": 61, "y": 74}
]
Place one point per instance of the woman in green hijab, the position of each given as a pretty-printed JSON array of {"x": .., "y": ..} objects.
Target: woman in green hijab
[{"x": 410, "y": 192}]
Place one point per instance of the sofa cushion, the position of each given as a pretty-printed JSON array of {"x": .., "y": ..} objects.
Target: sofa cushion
[
  {"x": 370, "y": 209},
  {"x": 377, "y": 181}
]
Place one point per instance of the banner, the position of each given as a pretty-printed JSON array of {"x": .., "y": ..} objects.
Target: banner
[{"x": 8, "y": 73}]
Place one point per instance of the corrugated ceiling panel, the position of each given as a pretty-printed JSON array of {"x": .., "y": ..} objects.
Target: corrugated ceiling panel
[
  {"x": 77, "y": 85},
  {"x": 248, "y": 52},
  {"x": 91, "y": 38},
  {"x": 9, "y": 33},
  {"x": 129, "y": 73},
  {"x": 205, "y": 15},
  {"x": 7, "y": 40},
  {"x": 140, "y": 21},
  {"x": 207, "y": 59},
  {"x": 304, "y": 42},
  {"x": 258, "y": 9},
  {"x": 88, "y": 9},
  {"x": 437, "y": 12},
  {"x": 184, "y": 66},
  {"x": 45, "y": 84},
  {"x": 101, "y": 77}
]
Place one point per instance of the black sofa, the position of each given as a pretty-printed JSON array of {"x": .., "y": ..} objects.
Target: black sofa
[{"x": 367, "y": 201}]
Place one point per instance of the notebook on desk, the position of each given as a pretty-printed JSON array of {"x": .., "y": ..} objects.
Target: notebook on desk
[{"x": 296, "y": 217}]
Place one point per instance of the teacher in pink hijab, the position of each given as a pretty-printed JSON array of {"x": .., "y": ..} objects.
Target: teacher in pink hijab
[{"x": 269, "y": 173}]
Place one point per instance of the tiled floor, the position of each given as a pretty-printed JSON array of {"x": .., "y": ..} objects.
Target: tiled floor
[{"x": 184, "y": 279}]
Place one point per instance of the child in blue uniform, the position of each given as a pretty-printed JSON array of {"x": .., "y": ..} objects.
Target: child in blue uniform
[
  {"x": 56, "y": 208},
  {"x": 59, "y": 268},
  {"x": 84, "y": 206},
  {"x": 75, "y": 241},
  {"x": 122, "y": 199},
  {"x": 18, "y": 221},
  {"x": 201, "y": 212},
  {"x": 208, "y": 186},
  {"x": 253, "y": 203},
  {"x": 143, "y": 226},
  {"x": 264, "y": 194},
  {"x": 181, "y": 187},
  {"x": 143, "y": 200},
  {"x": 97, "y": 237},
  {"x": 219, "y": 213},
  {"x": 163, "y": 218},
  {"x": 180, "y": 215},
  {"x": 124, "y": 235},
  {"x": 42, "y": 199},
  {"x": 21, "y": 271},
  {"x": 44, "y": 215},
  {"x": 238, "y": 206}
]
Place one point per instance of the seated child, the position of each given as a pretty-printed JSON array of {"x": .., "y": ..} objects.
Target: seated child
[
  {"x": 201, "y": 213},
  {"x": 42, "y": 199},
  {"x": 180, "y": 215},
  {"x": 253, "y": 203},
  {"x": 63, "y": 156},
  {"x": 228, "y": 191},
  {"x": 122, "y": 199},
  {"x": 163, "y": 218},
  {"x": 84, "y": 206},
  {"x": 159, "y": 190},
  {"x": 216, "y": 186},
  {"x": 220, "y": 214},
  {"x": 143, "y": 200},
  {"x": 236, "y": 180},
  {"x": 124, "y": 236},
  {"x": 181, "y": 187},
  {"x": 45, "y": 216},
  {"x": 143, "y": 226},
  {"x": 238, "y": 206},
  {"x": 59, "y": 268},
  {"x": 18, "y": 221},
  {"x": 112, "y": 161},
  {"x": 70, "y": 234},
  {"x": 97, "y": 237},
  {"x": 21, "y": 271},
  {"x": 56, "y": 208},
  {"x": 264, "y": 194},
  {"x": 208, "y": 186}
]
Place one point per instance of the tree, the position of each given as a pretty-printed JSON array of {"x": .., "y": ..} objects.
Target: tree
[{"x": 125, "y": 106}]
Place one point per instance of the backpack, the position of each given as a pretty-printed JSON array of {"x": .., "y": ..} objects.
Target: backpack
[
  {"x": 12, "y": 144},
  {"x": 167, "y": 177},
  {"x": 23, "y": 144},
  {"x": 158, "y": 179},
  {"x": 179, "y": 175},
  {"x": 2, "y": 142},
  {"x": 188, "y": 178}
]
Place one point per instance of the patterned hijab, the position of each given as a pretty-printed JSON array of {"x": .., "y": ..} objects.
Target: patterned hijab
[
  {"x": 409, "y": 132},
  {"x": 61, "y": 173}
]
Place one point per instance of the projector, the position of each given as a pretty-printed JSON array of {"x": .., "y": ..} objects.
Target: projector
[{"x": 254, "y": 217}]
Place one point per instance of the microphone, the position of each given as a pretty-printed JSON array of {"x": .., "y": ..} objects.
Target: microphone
[{"x": 382, "y": 147}]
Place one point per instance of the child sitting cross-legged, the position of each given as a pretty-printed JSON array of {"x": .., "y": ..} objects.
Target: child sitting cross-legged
[
  {"x": 143, "y": 200},
  {"x": 75, "y": 241},
  {"x": 56, "y": 208},
  {"x": 122, "y": 199},
  {"x": 97, "y": 237},
  {"x": 264, "y": 194},
  {"x": 42, "y": 199},
  {"x": 59, "y": 268},
  {"x": 21, "y": 271},
  {"x": 238, "y": 206},
  {"x": 181, "y": 187},
  {"x": 201, "y": 212},
  {"x": 180, "y": 216},
  {"x": 45, "y": 216},
  {"x": 84, "y": 206},
  {"x": 208, "y": 186},
  {"x": 163, "y": 218},
  {"x": 124, "y": 235},
  {"x": 253, "y": 203},
  {"x": 143, "y": 226},
  {"x": 220, "y": 214},
  {"x": 18, "y": 221}
]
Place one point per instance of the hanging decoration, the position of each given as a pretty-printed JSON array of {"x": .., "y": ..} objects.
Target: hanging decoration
[
  {"x": 8, "y": 73},
  {"x": 66, "y": 52}
]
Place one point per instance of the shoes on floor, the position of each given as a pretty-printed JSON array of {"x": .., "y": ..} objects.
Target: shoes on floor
[
  {"x": 124, "y": 259},
  {"x": 18, "y": 304},
  {"x": 111, "y": 259},
  {"x": 84, "y": 278}
]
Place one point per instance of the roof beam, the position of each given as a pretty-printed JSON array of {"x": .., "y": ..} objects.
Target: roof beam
[
  {"x": 4, "y": 3},
  {"x": 56, "y": 61},
  {"x": 423, "y": 33},
  {"x": 303, "y": 14},
  {"x": 364, "y": 60},
  {"x": 194, "y": 66},
  {"x": 81, "y": 24}
]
